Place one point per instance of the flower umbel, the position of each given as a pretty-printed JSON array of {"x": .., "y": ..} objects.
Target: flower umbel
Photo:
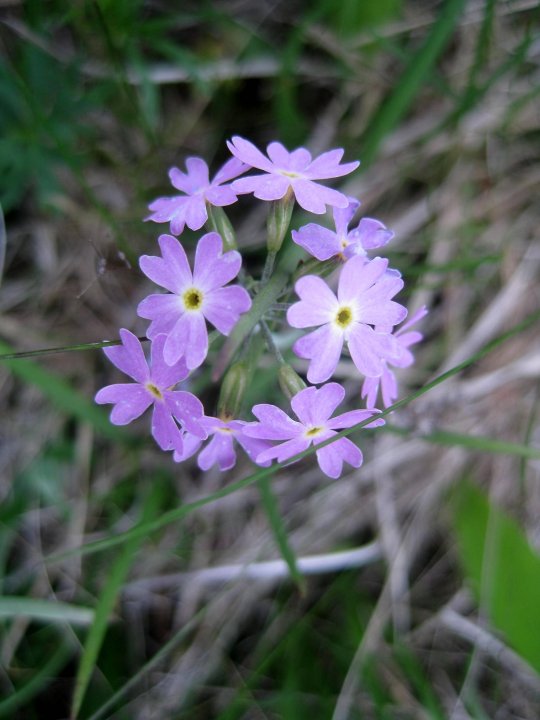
[
  {"x": 220, "y": 448},
  {"x": 296, "y": 170},
  {"x": 195, "y": 296},
  {"x": 363, "y": 299},
  {"x": 190, "y": 209},
  {"x": 313, "y": 407},
  {"x": 153, "y": 386},
  {"x": 323, "y": 243}
]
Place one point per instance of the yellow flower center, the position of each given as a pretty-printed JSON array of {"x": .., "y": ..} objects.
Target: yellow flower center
[
  {"x": 344, "y": 317},
  {"x": 289, "y": 173},
  {"x": 154, "y": 390},
  {"x": 192, "y": 299},
  {"x": 312, "y": 432}
]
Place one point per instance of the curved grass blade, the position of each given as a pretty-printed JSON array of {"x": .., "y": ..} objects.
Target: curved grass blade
[
  {"x": 144, "y": 529},
  {"x": 105, "y": 605},
  {"x": 396, "y": 105},
  {"x": 277, "y": 524},
  {"x": 3, "y": 243},
  {"x": 47, "y": 610},
  {"x": 62, "y": 394},
  {"x": 41, "y": 678}
]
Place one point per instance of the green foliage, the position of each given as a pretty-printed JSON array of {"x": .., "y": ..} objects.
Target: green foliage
[{"x": 503, "y": 569}]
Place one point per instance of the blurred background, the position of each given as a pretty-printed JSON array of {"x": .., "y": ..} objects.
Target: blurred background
[{"x": 425, "y": 593}]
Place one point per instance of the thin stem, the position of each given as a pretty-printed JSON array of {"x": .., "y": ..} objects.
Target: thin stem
[
  {"x": 271, "y": 345},
  {"x": 268, "y": 267}
]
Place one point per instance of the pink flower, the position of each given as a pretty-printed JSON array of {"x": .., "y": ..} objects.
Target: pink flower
[
  {"x": 195, "y": 297},
  {"x": 220, "y": 449},
  {"x": 313, "y": 408},
  {"x": 323, "y": 243},
  {"x": 295, "y": 170},
  {"x": 363, "y": 299},
  {"x": 175, "y": 411},
  {"x": 387, "y": 381},
  {"x": 190, "y": 209}
]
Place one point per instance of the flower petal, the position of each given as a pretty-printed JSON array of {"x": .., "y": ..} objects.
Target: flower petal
[
  {"x": 357, "y": 276},
  {"x": 164, "y": 429},
  {"x": 317, "y": 241},
  {"x": 224, "y": 306},
  {"x": 314, "y": 407},
  {"x": 273, "y": 424},
  {"x": 198, "y": 173},
  {"x": 188, "y": 410},
  {"x": 248, "y": 153},
  {"x": 231, "y": 169},
  {"x": 219, "y": 451},
  {"x": 369, "y": 349},
  {"x": 323, "y": 347},
  {"x": 172, "y": 271},
  {"x": 331, "y": 457},
  {"x": 213, "y": 268},
  {"x": 353, "y": 417},
  {"x": 317, "y": 305},
  {"x": 284, "y": 451},
  {"x": 163, "y": 375},
  {"x": 129, "y": 357},
  {"x": 188, "y": 338},
  {"x": 196, "y": 213},
  {"x": 343, "y": 216},
  {"x": 314, "y": 197},
  {"x": 264, "y": 187},
  {"x": 130, "y": 400}
]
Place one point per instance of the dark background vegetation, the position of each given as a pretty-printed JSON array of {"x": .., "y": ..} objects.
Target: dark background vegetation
[{"x": 181, "y": 618}]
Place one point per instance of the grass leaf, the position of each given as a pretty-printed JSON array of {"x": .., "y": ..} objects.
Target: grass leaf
[
  {"x": 502, "y": 567},
  {"x": 47, "y": 610}
]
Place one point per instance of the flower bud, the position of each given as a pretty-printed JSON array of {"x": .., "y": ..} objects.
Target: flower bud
[
  {"x": 277, "y": 224},
  {"x": 220, "y": 223},
  {"x": 290, "y": 381},
  {"x": 232, "y": 392}
]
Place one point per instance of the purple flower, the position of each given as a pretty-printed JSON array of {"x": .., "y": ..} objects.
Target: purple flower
[
  {"x": 190, "y": 209},
  {"x": 313, "y": 408},
  {"x": 363, "y": 299},
  {"x": 323, "y": 243},
  {"x": 220, "y": 449},
  {"x": 295, "y": 170},
  {"x": 196, "y": 297},
  {"x": 152, "y": 386},
  {"x": 387, "y": 381}
]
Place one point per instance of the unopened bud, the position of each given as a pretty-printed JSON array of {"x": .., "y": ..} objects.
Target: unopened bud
[
  {"x": 232, "y": 392},
  {"x": 220, "y": 223},
  {"x": 279, "y": 218},
  {"x": 316, "y": 267},
  {"x": 290, "y": 381}
]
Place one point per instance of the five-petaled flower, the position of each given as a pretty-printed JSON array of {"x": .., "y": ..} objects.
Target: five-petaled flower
[
  {"x": 195, "y": 296},
  {"x": 363, "y": 299},
  {"x": 190, "y": 209},
  {"x": 313, "y": 407},
  {"x": 387, "y": 381},
  {"x": 296, "y": 170},
  {"x": 175, "y": 411},
  {"x": 323, "y": 243},
  {"x": 220, "y": 448}
]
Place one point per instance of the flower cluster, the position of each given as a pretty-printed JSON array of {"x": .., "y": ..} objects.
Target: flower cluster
[{"x": 354, "y": 312}]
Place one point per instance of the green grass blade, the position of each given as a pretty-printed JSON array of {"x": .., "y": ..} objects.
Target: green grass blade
[
  {"x": 41, "y": 678},
  {"x": 62, "y": 394},
  {"x": 277, "y": 524},
  {"x": 502, "y": 567},
  {"x": 3, "y": 242},
  {"x": 154, "y": 662},
  {"x": 471, "y": 442},
  {"x": 417, "y": 71},
  {"x": 146, "y": 528},
  {"x": 105, "y": 605},
  {"x": 47, "y": 610}
]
